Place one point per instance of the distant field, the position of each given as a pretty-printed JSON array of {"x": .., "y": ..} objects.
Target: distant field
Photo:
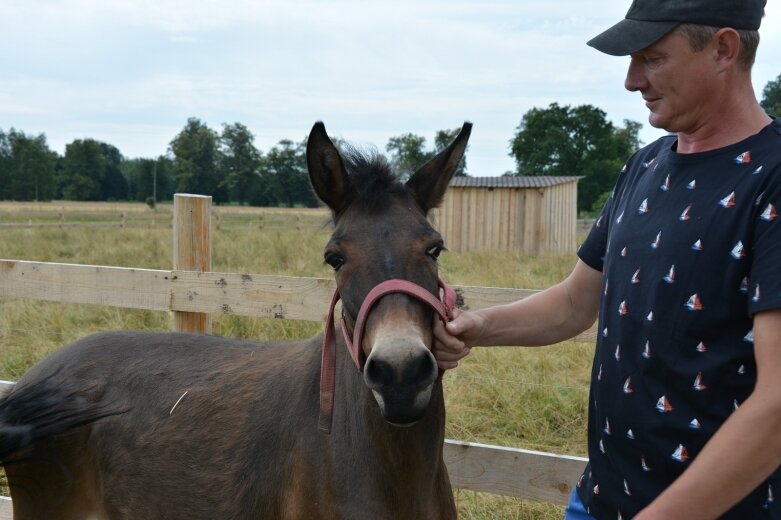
[
  {"x": 527, "y": 398},
  {"x": 136, "y": 214}
]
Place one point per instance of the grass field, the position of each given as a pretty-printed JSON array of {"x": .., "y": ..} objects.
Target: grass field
[{"x": 527, "y": 398}]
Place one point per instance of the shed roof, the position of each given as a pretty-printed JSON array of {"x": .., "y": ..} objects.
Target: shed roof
[{"x": 542, "y": 181}]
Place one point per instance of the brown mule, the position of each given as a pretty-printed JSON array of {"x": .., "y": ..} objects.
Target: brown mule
[{"x": 127, "y": 424}]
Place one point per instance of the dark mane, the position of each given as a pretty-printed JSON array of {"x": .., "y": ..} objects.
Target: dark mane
[{"x": 372, "y": 181}]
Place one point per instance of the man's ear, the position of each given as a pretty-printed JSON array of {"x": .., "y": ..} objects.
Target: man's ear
[{"x": 726, "y": 44}]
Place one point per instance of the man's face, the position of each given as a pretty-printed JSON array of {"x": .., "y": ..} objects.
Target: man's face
[{"x": 675, "y": 82}]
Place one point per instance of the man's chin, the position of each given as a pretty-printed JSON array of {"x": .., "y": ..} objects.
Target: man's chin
[{"x": 657, "y": 121}]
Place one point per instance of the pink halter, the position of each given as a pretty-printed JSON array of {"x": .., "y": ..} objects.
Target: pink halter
[{"x": 444, "y": 308}]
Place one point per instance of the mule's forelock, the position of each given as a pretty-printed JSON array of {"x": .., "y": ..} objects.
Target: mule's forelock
[
  {"x": 348, "y": 176},
  {"x": 372, "y": 181}
]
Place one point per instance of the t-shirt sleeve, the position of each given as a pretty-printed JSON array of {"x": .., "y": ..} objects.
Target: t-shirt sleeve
[
  {"x": 765, "y": 273},
  {"x": 592, "y": 251}
]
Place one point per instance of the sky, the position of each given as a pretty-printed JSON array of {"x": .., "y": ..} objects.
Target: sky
[{"x": 131, "y": 72}]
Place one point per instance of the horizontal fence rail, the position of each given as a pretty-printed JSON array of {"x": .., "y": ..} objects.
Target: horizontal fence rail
[{"x": 534, "y": 475}]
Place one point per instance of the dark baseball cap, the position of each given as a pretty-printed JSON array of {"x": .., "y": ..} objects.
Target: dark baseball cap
[{"x": 648, "y": 20}]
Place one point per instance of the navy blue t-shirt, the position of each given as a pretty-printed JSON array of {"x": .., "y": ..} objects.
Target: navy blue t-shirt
[{"x": 690, "y": 247}]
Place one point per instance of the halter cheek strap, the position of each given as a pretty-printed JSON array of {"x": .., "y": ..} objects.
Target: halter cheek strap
[{"x": 443, "y": 308}]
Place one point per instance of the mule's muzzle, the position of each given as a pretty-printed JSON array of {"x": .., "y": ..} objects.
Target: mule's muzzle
[{"x": 401, "y": 377}]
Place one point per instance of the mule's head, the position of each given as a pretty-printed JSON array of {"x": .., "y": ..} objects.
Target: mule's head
[{"x": 382, "y": 233}]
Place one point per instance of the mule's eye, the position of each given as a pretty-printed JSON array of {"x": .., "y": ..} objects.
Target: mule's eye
[
  {"x": 434, "y": 251},
  {"x": 334, "y": 260}
]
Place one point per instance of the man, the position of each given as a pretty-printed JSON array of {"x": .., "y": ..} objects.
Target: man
[{"x": 683, "y": 267}]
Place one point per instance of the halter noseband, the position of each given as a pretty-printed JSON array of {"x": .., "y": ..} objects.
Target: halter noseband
[{"x": 444, "y": 308}]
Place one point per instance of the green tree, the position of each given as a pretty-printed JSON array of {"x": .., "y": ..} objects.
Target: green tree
[
  {"x": 283, "y": 178},
  {"x": 196, "y": 159},
  {"x": 83, "y": 170},
  {"x": 771, "y": 97},
  {"x": 562, "y": 140},
  {"x": 5, "y": 164},
  {"x": 91, "y": 170},
  {"x": 27, "y": 167},
  {"x": 408, "y": 153},
  {"x": 240, "y": 161},
  {"x": 144, "y": 175},
  {"x": 114, "y": 185}
]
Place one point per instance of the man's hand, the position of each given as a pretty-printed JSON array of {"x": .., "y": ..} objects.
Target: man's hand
[{"x": 453, "y": 342}]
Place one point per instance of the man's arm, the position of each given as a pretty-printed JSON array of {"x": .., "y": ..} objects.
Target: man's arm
[
  {"x": 743, "y": 452},
  {"x": 550, "y": 316}
]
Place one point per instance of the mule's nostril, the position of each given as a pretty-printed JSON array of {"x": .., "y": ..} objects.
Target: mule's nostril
[
  {"x": 378, "y": 373},
  {"x": 421, "y": 369}
]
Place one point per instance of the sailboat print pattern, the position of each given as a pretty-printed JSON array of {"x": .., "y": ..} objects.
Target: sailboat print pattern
[
  {"x": 728, "y": 201},
  {"x": 695, "y": 241},
  {"x": 663, "y": 405},
  {"x": 694, "y": 303},
  {"x": 737, "y": 252},
  {"x": 769, "y": 214},
  {"x": 680, "y": 454},
  {"x": 744, "y": 158}
]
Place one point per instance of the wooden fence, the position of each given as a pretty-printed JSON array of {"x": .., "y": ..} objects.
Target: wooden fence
[{"x": 192, "y": 293}]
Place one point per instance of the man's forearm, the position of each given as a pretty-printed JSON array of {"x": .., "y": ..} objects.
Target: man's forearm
[{"x": 544, "y": 318}]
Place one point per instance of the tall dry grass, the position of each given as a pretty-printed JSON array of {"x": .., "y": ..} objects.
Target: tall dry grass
[{"x": 528, "y": 398}]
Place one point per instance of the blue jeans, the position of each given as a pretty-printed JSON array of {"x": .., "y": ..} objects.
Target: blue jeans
[{"x": 575, "y": 509}]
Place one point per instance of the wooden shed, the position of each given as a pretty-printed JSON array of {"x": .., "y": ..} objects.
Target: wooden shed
[{"x": 535, "y": 215}]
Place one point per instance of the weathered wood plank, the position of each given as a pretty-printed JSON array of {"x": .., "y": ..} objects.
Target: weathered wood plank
[
  {"x": 532, "y": 475},
  {"x": 6, "y": 510},
  {"x": 251, "y": 295},
  {"x": 74, "y": 283}
]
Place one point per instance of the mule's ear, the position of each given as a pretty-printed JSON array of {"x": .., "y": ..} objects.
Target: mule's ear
[
  {"x": 326, "y": 169},
  {"x": 430, "y": 182}
]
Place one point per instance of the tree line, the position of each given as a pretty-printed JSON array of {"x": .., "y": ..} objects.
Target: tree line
[
  {"x": 226, "y": 165},
  {"x": 556, "y": 140}
]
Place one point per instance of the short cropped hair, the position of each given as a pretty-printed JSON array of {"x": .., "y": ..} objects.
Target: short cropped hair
[{"x": 699, "y": 36}]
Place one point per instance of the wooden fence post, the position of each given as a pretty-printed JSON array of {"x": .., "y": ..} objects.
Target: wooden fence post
[{"x": 192, "y": 251}]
